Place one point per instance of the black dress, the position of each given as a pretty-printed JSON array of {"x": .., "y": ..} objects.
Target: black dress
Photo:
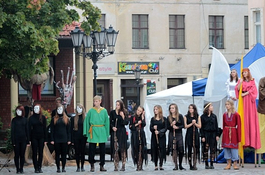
[
  {"x": 120, "y": 133},
  {"x": 209, "y": 131},
  {"x": 161, "y": 152},
  {"x": 137, "y": 141}
]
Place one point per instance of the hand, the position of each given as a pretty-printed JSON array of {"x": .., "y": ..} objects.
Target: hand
[
  {"x": 52, "y": 142},
  {"x": 28, "y": 144},
  {"x": 203, "y": 139},
  {"x": 72, "y": 143},
  {"x": 114, "y": 129},
  {"x": 241, "y": 80},
  {"x": 68, "y": 143},
  {"x": 156, "y": 132},
  {"x": 143, "y": 114},
  {"x": 155, "y": 127},
  {"x": 217, "y": 138},
  {"x": 45, "y": 143},
  {"x": 175, "y": 127},
  {"x": 174, "y": 122},
  {"x": 139, "y": 122},
  {"x": 193, "y": 122}
]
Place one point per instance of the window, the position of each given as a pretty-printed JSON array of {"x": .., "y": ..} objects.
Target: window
[
  {"x": 140, "y": 31},
  {"x": 48, "y": 89},
  {"x": 257, "y": 24},
  {"x": 246, "y": 36},
  {"x": 172, "y": 82},
  {"x": 216, "y": 31},
  {"x": 102, "y": 21},
  {"x": 176, "y": 31}
]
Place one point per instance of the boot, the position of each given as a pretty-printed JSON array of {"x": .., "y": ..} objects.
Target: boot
[
  {"x": 102, "y": 168},
  {"x": 92, "y": 168},
  {"x": 181, "y": 155},
  {"x": 191, "y": 167},
  {"x": 235, "y": 165},
  {"x": 194, "y": 163},
  {"x": 228, "y": 166},
  {"x": 211, "y": 167},
  {"x": 206, "y": 164},
  {"x": 116, "y": 165}
]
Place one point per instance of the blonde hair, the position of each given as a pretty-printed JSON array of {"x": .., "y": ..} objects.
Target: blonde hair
[
  {"x": 170, "y": 117},
  {"x": 160, "y": 112},
  {"x": 97, "y": 97},
  {"x": 231, "y": 102}
]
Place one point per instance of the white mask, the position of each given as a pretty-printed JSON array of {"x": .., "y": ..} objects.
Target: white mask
[
  {"x": 60, "y": 110},
  {"x": 37, "y": 109},
  {"x": 79, "y": 110},
  {"x": 19, "y": 112}
]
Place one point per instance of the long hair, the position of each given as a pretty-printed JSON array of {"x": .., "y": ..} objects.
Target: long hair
[
  {"x": 160, "y": 112},
  {"x": 231, "y": 102},
  {"x": 206, "y": 108},
  {"x": 231, "y": 78},
  {"x": 40, "y": 113},
  {"x": 122, "y": 108},
  {"x": 20, "y": 107},
  {"x": 195, "y": 111},
  {"x": 170, "y": 117},
  {"x": 249, "y": 76},
  {"x": 77, "y": 116},
  {"x": 65, "y": 118},
  {"x": 140, "y": 116}
]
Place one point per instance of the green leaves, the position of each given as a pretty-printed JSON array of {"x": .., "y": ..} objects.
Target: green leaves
[{"x": 28, "y": 32}]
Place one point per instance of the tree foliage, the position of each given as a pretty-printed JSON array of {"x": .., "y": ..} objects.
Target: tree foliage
[{"x": 29, "y": 31}]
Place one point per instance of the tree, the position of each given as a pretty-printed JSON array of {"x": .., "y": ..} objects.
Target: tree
[{"x": 29, "y": 30}]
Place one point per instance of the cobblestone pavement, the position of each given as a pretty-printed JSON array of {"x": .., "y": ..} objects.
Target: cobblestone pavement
[{"x": 148, "y": 170}]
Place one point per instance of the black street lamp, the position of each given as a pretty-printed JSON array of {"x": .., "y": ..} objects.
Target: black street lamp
[
  {"x": 137, "y": 74},
  {"x": 99, "y": 43}
]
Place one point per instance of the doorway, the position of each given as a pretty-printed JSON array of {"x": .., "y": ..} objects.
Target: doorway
[{"x": 104, "y": 89}]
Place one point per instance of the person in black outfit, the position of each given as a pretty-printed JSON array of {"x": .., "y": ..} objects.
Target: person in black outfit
[
  {"x": 58, "y": 103},
  {"x": 78, "y": 139},
  {"x": 209, "y": 134},
  {"x": 118, "y": 121},
  {"x": 28, "y": 108},
  {"x": 158, "y": 127},
  {"x": 38, "y": 135},
  {"x": 138, "y": 138},
  {"x": 175, "y": 123},
  {"x": 19, "y": 137},
  {"x": 192, "y": 122},
  {"x": 60, "y": 136}
]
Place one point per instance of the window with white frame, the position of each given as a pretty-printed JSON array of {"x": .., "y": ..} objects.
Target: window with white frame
[
  {"x": 176, "y": 31},
  {"x": 48, "y": 89},
  {"x": 216, "y": 31},
  {"x": 257, "y": 26},
  {"x": 246, "y": 35}
]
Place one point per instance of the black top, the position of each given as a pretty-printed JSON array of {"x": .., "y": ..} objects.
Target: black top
[
  {"x": 77, "y": 134},
  {"x": 60, "y": 132},
  {"x": 37, "y": 129},
  {"x": 209, "y": 124},
  {"x": 190, "y": 133},
  {"x": 19, "y": 130},
  {"x": 179, "y": 124}
]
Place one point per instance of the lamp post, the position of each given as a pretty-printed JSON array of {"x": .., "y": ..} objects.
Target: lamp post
[
  {"x": 137, "y": 74},
  {"x": 99, "y": 43}
]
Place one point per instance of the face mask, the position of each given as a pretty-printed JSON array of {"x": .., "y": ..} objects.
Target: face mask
[
  {"x": 79, "y": 110},
  {"x": 37, "y": 109},
  {"x": 19, "y": 112},
  {"x": 60, "y": 110}
]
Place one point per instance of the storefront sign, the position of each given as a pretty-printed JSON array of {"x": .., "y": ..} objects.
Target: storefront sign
[
  {"x": 145, "y": 67},
  {"x": 151, "y": 87},
  {"x": 106, "y": 68}
]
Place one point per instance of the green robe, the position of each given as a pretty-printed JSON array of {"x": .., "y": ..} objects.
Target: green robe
[{"x": 99, "y": 121}]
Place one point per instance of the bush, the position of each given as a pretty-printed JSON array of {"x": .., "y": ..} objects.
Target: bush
[{"x": 47, "y": 114}]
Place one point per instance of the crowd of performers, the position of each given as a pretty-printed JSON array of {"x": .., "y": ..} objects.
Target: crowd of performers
[{"x": 95, "y": 126}]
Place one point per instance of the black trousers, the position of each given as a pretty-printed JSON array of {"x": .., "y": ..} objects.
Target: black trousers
[
  {"x": 19, "y": 149},
  {"x": 37, "y": 152},
  {"x": 80, "y": 146},
  {"x": 92, "y": 152},
  {"x": 60, "y": 150}
]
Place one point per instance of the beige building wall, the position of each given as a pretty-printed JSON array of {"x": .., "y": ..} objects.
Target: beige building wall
[
  {"x": 190, "y": 63},
  {"x": 254, "y": 6}
]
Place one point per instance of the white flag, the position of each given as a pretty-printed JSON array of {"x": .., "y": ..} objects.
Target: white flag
[{"x": 219, "y": 73}]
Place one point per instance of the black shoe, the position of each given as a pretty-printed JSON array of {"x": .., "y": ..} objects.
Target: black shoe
[
  {"x": 63, "y": 170},
  {"x": 21, "y": 171},
  {"x": 58, "y": 171},
  {"x": 161, "y": 168},
  {"x": 194, "y": 168},
  {"x": 40, "y": 170},
  {"x": 176, "y": 168},
  {"x": 156, "y": 168},
  {"x": 78, "y": 170},
  {"x": 207, "y": 167},
  {"x": 36, "y": 171},
  {"x": 83, "y": 170},
  {"x": 18, "y": 172},
  {"x": 211, "y": 167},
  {"x": 181, "y": 168}
]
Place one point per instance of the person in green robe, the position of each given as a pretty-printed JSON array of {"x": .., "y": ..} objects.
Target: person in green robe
[{"x": 96, "y": 129}]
